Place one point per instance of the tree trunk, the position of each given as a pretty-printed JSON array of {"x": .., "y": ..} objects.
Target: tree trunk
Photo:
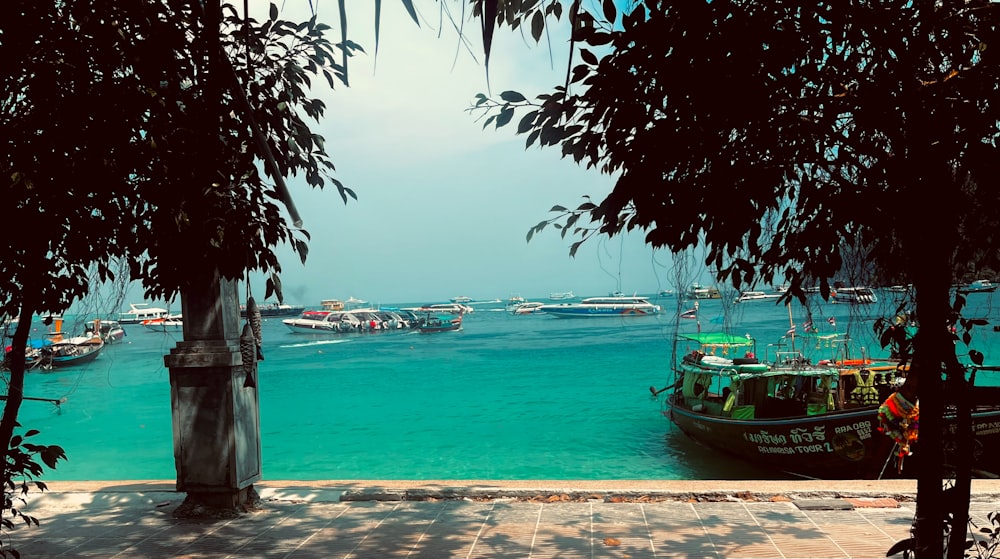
[
  {"x": 15, "y": 388},
  {"x": 958, "y": 503},
  {"x": 932, "y": 348}
]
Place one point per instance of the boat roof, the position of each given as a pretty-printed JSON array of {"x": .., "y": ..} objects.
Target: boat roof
[{"x": 718, "y": 339}]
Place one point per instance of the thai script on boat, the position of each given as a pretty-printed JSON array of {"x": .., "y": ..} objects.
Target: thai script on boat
[
  {"x": 863, "y": 429},
  {"x": 802, "y": 435},
  {"x": 765, "y": 438}
]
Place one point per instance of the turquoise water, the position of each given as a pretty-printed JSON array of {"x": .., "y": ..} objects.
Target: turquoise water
[{"x": 507, "y": 397}]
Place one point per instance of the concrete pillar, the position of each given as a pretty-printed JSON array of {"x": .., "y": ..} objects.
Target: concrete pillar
[{"x": 216, "y": 414}]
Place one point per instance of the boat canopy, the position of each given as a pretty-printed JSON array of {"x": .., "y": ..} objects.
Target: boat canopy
[{"x": 718, "y": 339}]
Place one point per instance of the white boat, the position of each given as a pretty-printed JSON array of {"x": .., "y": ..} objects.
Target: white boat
[
  {"x": 854, "y": 295},
  {"x": 978, "y": 286},
  {"x": 698, "y": 291},
  {"x": 347, "y": 322},
  {"x": 461, "y": 299},
  {"x": 451, "y": 308},
  {"x": 332, "y": 305},
  {"x": 757, "y": 296},
  {"x": 603, "y": 306},
  {"x": 561, "y": 296},
  {"x": 527, "y": 307},
  {"x": 170, "y": 323},
  {"x": 141, "y": 311}
]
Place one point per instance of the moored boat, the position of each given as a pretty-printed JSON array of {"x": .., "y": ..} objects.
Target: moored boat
[
  {"x": 110, "y": 331},
  {"x": 348, "y": 322},
  {"x": 698, "y": 291},
  {"x": 60, "y": 351},
  {"x": 854, "y": 295},
  {"x": 432, "y": 323},
  {"x": 171, "y": 323},
  {"x": 527, "y": 307},
  {"x": 785, "y": 413},
  {"x": 748, "y": 296},
  {"x": 332, "y": 304},
  {"x": 449, "y": 308},
  {"x": 561, "y": 296},
  {"x": 141, "y": 311},
  {"x": 603, "y": 306},
  {"x": 272, "y": 309},
  {"x": 978, "y": 286}
]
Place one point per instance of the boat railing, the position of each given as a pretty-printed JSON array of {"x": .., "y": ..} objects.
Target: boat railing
[{"x": 792, "y": 358}]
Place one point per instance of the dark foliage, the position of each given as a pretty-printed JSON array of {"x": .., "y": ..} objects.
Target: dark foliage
[{"x": 780, "y": 136}]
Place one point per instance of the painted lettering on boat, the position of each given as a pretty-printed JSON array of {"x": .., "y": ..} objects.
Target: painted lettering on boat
[
  {"x": 797, "y": 449},
  {"x": 776, "y": 443},
  {"x": 863, "y": 429},
  {"x": 990, "y": 428},
  {"x": 801, "y": 434}
]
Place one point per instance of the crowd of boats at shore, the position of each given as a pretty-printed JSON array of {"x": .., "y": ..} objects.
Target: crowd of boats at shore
[{"x": 806, "y": 404}]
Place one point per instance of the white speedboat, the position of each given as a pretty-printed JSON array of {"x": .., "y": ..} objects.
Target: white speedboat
[
  {"x": 527, "y": 307},
  {"x": 171, "y": 323},
  {"x": 602, "y": 306},
  {"x": 139, "y": 312},
  {"x": 747, "y": 296}
]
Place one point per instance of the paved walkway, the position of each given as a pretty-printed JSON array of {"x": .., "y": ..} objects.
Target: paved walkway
[{"x": 487, "y": 519}]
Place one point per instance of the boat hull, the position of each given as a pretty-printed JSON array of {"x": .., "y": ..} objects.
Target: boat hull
[
  {"x": 837, "y": 445},
  {"x": 163, "y": 326}
]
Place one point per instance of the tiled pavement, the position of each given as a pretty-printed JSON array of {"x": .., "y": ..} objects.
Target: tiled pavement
[{"x": 420, "y": 519}]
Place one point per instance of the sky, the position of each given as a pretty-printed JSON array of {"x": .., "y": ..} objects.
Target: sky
[{"x": 444, "y": 206}]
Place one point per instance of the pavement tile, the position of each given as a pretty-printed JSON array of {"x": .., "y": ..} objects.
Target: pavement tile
[
  {"x": 718, "y": 520},
  {"x": 873, "y": 502}
]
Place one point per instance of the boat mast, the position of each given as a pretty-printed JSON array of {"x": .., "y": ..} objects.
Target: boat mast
[{"x": 791, "y": 325}]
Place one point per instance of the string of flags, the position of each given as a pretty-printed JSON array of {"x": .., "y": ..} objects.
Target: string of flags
[{"x": 810, "y": 328}]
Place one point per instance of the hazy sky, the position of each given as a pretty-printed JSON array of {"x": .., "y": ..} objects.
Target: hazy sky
[{"x": 443, "y": 205}]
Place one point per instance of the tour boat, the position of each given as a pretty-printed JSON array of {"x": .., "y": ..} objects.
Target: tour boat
[{"x": 603, "y": 306}]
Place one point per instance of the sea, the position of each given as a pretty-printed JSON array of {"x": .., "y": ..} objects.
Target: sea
[{"x": 507, "y": 397}]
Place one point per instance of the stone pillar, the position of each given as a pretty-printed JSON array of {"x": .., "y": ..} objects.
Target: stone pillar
[{"x": 216, "y": 415}]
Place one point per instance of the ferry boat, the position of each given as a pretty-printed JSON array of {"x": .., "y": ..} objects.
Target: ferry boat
[{"x": 603, "y": 306}]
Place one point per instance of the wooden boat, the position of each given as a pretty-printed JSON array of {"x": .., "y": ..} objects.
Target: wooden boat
[
  {"x": 64, "y": 352},
  {"x": 432, "y": 323},
  {"x": 110, "y": 331},
  {"x": 787, "y": 414}
]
